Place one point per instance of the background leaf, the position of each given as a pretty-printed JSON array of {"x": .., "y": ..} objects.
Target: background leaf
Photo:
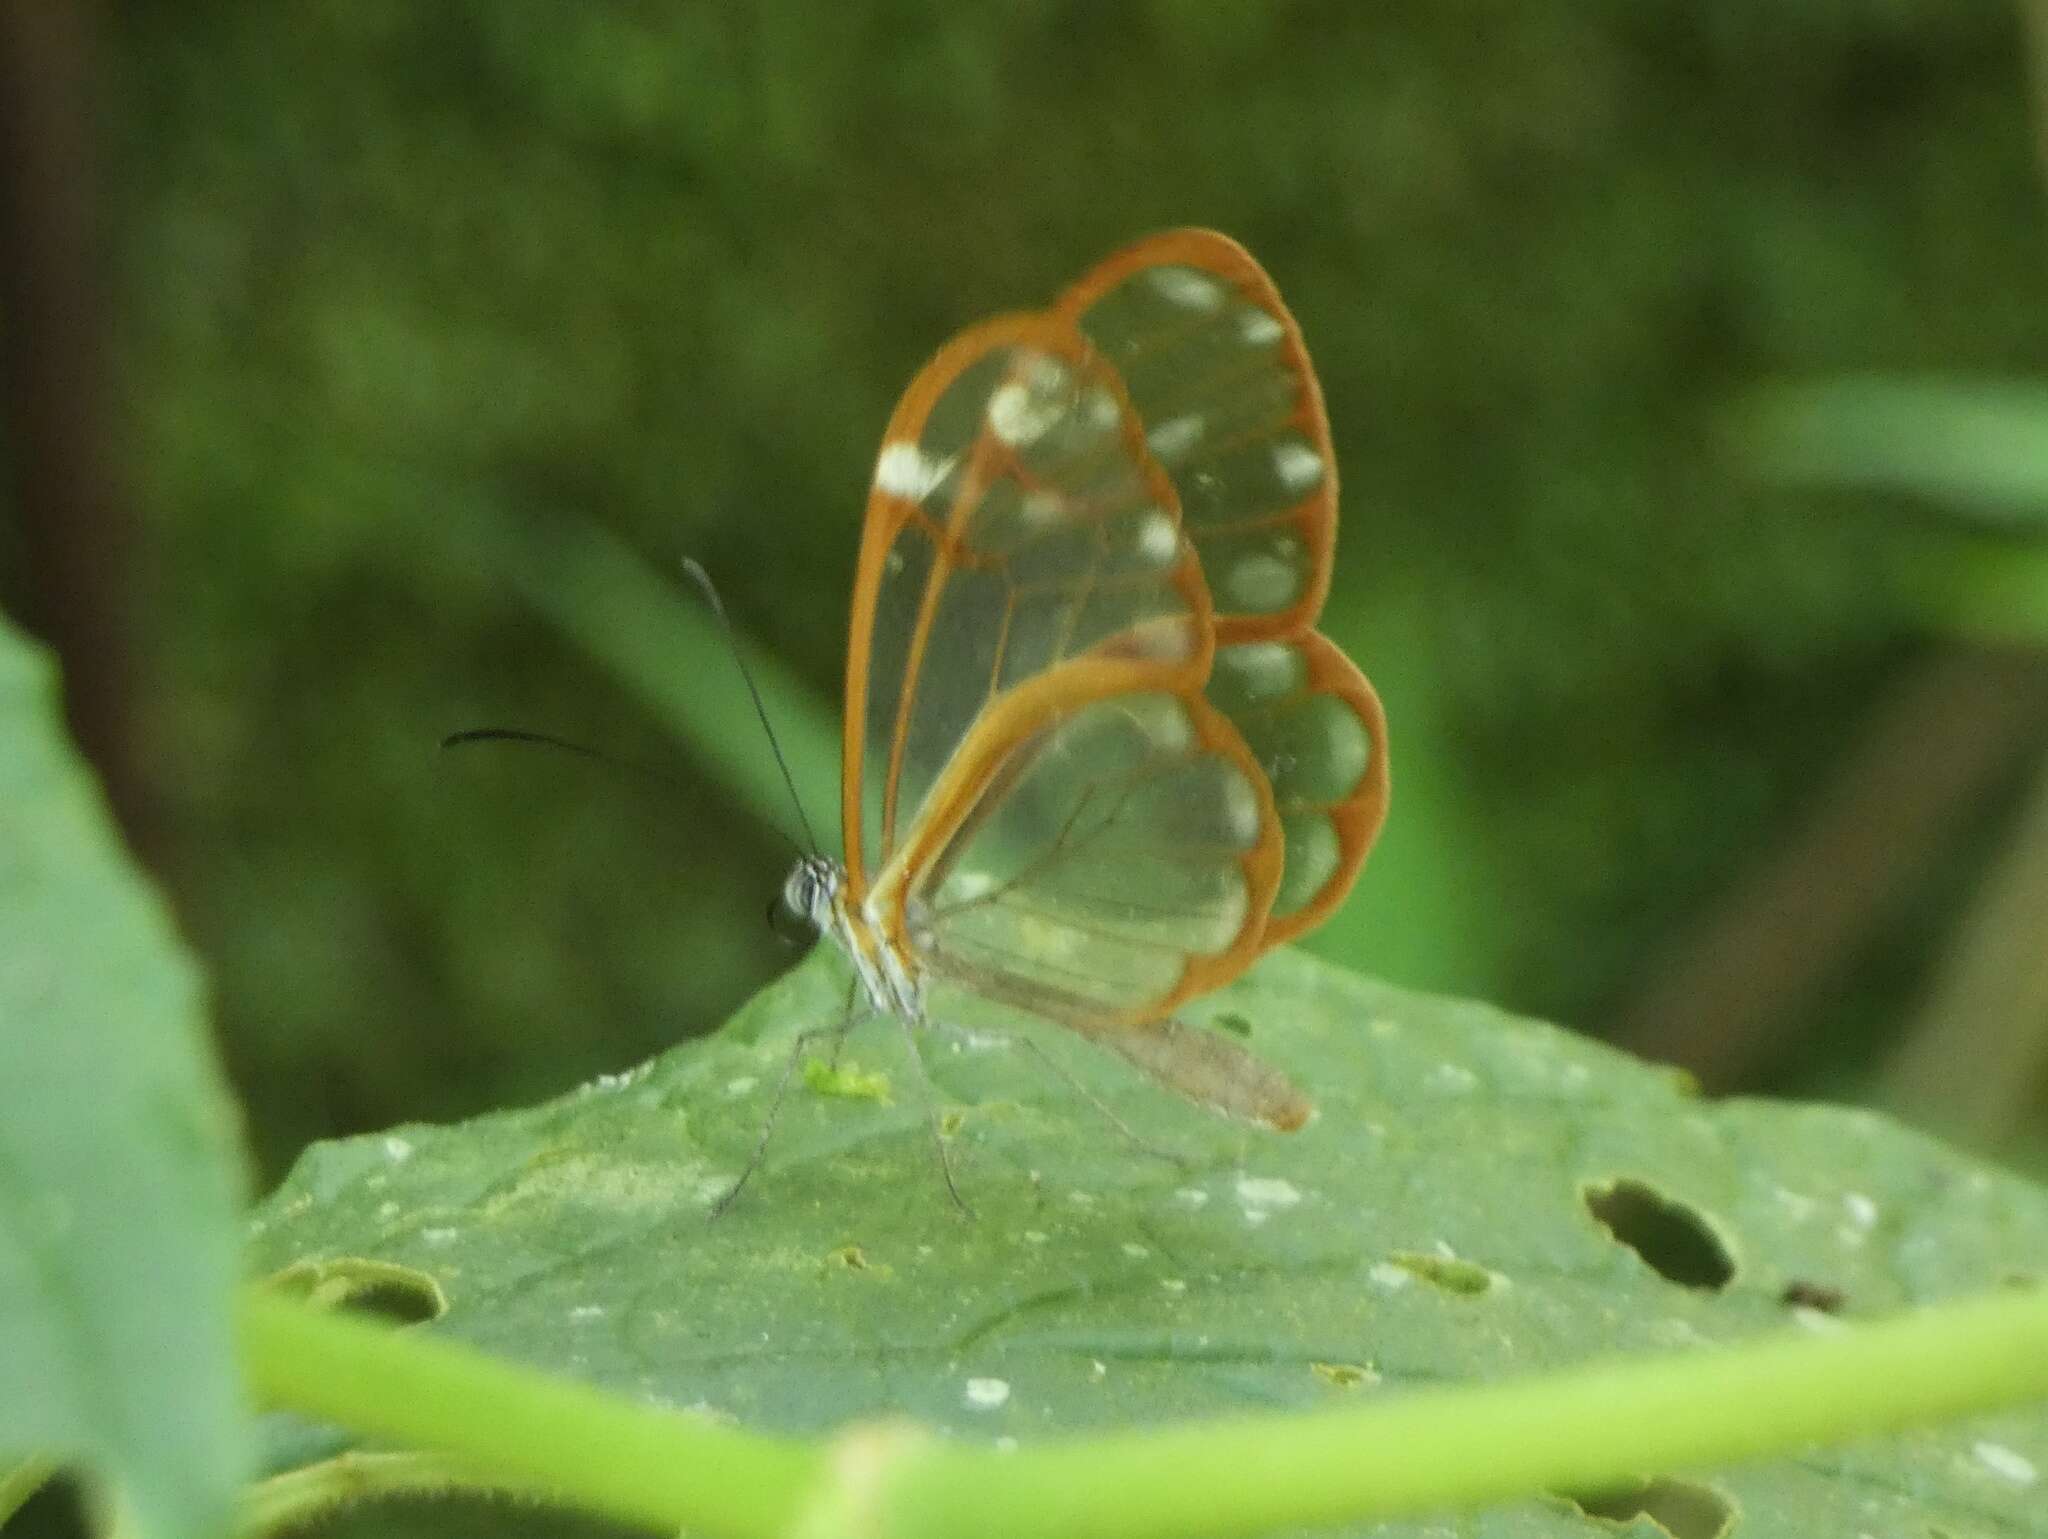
[
  {"x": 119, "y": 1168},
  {"x": 1971, "y": 447},
  {"x": 1480, "y": 1196}
]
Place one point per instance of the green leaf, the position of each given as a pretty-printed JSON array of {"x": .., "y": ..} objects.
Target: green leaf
[
  {"x": 1977, "y": 447},
  {"x": 120, "y": 1176},
  {"x": 1480, "y": 1197}
]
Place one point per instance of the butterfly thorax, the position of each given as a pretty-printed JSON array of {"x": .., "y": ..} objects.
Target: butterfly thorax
[{"x": 817, "y": 889}]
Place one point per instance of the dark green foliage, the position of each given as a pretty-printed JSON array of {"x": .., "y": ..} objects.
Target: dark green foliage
[{"x": 664, "y": 268}]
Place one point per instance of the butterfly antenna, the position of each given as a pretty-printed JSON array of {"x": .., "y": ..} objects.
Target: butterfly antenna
[{"x": 703, "y": 581}]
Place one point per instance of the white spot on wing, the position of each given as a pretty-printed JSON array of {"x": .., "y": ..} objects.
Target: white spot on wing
[
  {"x": 1158, "y": 539},
  {"x": 1240, "y": 819},
  {"x": 1260, "y": 329},
  {"x": 967, "y": 886},
  {"x": 1171, "y": 439},
  {"x": 1018, "y": 415},
  {"x": 1297, "y": 465},
  {"x": 1163, "y": 722},
  {"x": 1102, "y": 409},
  {"x": 1187, "y": 288},
  {"x": 1040, "y": 508},
  {"x": 903, "y": 471}
]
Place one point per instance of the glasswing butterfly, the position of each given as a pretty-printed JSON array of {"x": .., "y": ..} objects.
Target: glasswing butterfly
[{"x": 1097, "y": 759}]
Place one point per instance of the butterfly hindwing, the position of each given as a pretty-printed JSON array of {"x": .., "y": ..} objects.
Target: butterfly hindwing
[
  {"x": 1315, "y": 726},
  {"x": 1123, "y": 859}
]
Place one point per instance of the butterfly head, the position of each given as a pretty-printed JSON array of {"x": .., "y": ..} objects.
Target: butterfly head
[{"x": 811, "y": 892}]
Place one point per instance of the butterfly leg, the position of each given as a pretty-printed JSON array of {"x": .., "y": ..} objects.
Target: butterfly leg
[
  {"x": 1073, "y": 1082},
  {"x": 838, "y": 1032},
  {"x": 931, "y": 1112}
]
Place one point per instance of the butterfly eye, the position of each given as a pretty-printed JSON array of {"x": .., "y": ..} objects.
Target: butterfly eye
[{"x": 790, "y": 925}]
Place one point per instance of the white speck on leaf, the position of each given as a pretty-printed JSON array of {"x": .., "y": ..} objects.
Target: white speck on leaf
[
  {"x": 1819, "y": 1321},
  {"x": 988, "y": 1394},
  {"x": 1265, "y": 1195},
  {"x": 397, "y": 1150},
  {"x": 439, "y": 1236},
  {"x": 1385, "y": 1274},
  {"x": 2006, "y": 1462},
  {"x": 1798, "y": 1207}
]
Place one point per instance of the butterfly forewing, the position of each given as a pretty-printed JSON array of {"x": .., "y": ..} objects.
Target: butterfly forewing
[
  {"x": 1018, "y": 532},
  {"x": 1215, "y": 367}
]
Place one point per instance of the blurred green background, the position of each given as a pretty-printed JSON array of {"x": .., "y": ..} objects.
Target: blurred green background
[{"x": 372, "y": 367}]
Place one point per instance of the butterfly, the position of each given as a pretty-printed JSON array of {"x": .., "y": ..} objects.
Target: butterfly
[{"x": 1096, "y": 758}]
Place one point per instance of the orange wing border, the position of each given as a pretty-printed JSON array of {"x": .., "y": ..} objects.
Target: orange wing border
[{"x": 1357, "y": 818}]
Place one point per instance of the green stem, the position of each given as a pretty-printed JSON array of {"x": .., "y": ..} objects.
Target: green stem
[
  {"x": 297, "y": 1498},
  {"x": 511, "y": 1426},
  {"x": 1428, "y": 1451},
  {"x": 1437, "y": 1450}
]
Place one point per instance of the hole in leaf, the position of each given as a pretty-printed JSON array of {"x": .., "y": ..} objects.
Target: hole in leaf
[
  {"x": 1802, "y": 1293},
  {"x": 1446, "y": 1272},
  {"x": 58, "y": 1509},
  {"x": 1682, "y": 1510},
  {"x": 401, "y": 1294},
  {"x": 1672, "y": 1238}
]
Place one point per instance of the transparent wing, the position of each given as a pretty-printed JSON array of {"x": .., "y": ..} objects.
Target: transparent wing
[
  {"x": 1315, "y": 728},
  {"x": 1123, "y": 858},
  {"x": 1019, "y": 533},
  {"x": 1216, "y": 369}
]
